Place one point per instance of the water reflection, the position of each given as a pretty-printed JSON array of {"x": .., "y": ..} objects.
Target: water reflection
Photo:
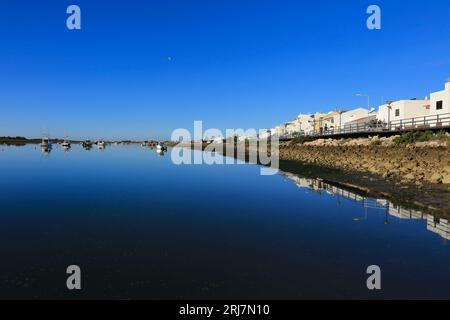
[
  {"x": 46, "y": 150},
  {"x": 434, "y": 224},
  {"x": 94, "y": 210}
]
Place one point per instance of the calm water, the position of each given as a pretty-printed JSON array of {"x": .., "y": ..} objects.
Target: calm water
[{"x": 141, "y": 227}]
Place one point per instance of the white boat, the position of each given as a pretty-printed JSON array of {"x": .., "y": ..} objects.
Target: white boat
[
  {"x": 46, "y": 143},
  {"x": 161, "y": 147},
  {"x": 66, "y": 144},
  {"x": 101, "y": 144}
]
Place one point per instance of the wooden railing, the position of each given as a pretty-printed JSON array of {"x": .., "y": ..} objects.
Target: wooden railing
[{"x": 418, "y": 123}]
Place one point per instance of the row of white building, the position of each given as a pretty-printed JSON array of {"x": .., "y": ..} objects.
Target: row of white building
[{"x": 395, "y": 112}]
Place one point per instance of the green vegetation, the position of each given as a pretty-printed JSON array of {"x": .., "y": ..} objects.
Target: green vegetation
[
  {"x": 14, "y": 140},
  {"x": 419, "y": 136}
]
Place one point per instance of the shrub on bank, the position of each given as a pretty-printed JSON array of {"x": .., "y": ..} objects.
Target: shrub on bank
[{"x": 419, "y": 136}]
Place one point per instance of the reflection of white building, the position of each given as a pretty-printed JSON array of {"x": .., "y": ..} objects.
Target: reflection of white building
[
  {"x": 441, "y": 227},
  {"x": 438, "y": 226},
  {"x": 299, "y": 181},
  {"x": 402, "y": 213},
  {"x": 440, "y": 101}
]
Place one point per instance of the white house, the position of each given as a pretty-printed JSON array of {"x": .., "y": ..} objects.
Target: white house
[
  {"x": 345, "y": 118},
  {"x": 403, "y": 110},
  {"x": 293, "y": 127},
  {"x": 219, "y": 139},
  {"x": 440, "y": 101},
  {"x": 265, "y": 134},
  {"x": 306, "y": 123},
  {"x": 279, "y": 130}
]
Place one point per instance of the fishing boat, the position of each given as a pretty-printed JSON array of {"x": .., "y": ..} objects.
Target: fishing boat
[
  {"x": 66, "y": 144},
  {"x": 46, "y": 143}
]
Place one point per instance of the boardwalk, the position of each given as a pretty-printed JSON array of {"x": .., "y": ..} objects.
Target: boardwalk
[{"x": 433, "y": 123}]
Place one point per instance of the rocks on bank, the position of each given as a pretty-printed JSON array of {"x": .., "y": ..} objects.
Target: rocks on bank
[{"x": 419, "y": 162}]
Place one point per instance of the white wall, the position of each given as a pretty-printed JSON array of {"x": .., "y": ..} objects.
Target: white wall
[
  {"x": 350, "y": 116},
  {"x": 306, "y": 122},
  {"x": 407, "y": 109},
  {"x": 279, "y": 130},
  {"x": 293, "y": 127},
  {"x": 443, "y": 96}
]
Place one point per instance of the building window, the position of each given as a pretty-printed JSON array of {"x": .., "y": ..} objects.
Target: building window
[
  {"x": 439, "y": 105},
  {"x": 397, "y": 112}
]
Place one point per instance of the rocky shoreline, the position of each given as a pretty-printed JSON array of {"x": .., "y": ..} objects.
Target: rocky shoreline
[
  {"x": 416, "y": 173},
  {"x": 407, "y": 164}
]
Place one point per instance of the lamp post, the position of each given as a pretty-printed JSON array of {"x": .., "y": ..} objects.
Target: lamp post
[
  {"x": 368, "y": 99},
  {"x": 340, "y": 119},
  {"x": 368, "y": 103},
  {"x": 389, "y": 106},
  {"x": 365, "y": 212}
]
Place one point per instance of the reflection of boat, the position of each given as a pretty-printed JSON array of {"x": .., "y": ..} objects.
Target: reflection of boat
[
  {"x": 45, "y": 150},
  {"x": 46, "y": 143},
  {"x": 160, "y": 152},
  {"x": 87, "y": 144},
  {"x": 66, "y": 145},
  {"x": 101, "y": 144},
  {"x": 160, "y": 147}
]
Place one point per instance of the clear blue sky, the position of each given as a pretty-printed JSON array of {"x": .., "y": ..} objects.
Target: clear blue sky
[{"x": 235, "y": 63}]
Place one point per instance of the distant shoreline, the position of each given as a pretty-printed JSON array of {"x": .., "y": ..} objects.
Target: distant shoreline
[
  {"x": 23, "y": 141},
  {"x": 18, "y": 140}
]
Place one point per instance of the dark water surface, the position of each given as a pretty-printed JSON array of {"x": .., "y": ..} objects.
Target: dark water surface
[{"x": 141, "y": 227}]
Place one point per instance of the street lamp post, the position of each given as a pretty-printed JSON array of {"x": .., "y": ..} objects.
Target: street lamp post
[
  {"x": 368, "y": 98},
  {"x": 340, "y": 120},
  {"x": 389, "y": 103}
]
